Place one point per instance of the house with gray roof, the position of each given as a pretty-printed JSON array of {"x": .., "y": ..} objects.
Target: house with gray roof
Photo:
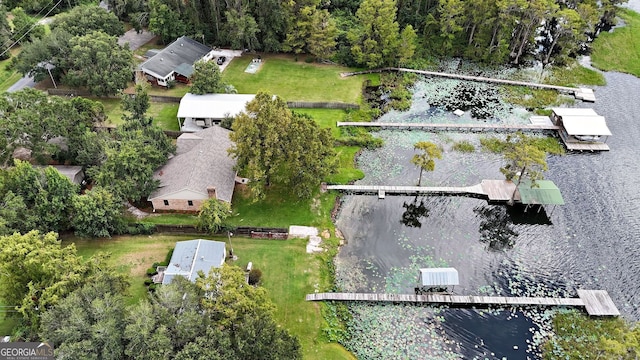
[
  {"x": 175, "y": 62},
  {"x": 192, "y": 256},
  {"x": 201, "y": 169}
]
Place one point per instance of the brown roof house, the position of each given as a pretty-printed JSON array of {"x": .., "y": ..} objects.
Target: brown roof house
[{"x": 201, "y": 169}]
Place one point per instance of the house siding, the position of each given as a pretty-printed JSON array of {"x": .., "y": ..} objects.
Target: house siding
[{"x": 176, "y": 205}]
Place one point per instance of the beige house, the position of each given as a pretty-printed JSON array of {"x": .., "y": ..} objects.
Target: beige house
[{"x": 201, "y": 169}]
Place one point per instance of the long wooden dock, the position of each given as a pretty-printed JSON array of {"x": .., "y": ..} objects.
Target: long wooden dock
[
  {"x": 492, "y": 190},
  {"x": 584, "y": 94},
  {"x": 596, "y": 302},
  {"x": 452, "y": 127}
]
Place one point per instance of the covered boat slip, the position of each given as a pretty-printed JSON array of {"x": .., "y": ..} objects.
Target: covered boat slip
[{"x": 581, "y": 129}]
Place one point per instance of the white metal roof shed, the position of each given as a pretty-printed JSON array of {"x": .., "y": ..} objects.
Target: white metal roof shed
[
  {"x": 574, "y": 112},
  {"x": 438, "y": 277},
  {"x": 586, "y": 125},
  {"x": 213, "y": 106}
]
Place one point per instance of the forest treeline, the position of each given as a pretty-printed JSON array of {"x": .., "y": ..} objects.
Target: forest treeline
[{"x": 373, "y": 33}]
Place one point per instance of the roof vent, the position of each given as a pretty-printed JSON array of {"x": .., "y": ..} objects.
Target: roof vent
[
  {"x": 181, "y": 44},
  {"x": 161, "y": 59}
]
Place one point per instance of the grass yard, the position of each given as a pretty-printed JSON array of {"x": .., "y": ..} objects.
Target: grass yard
[
  {"x": 294, "y": 80},
  {"x": 280, "y": 209},
  {"x": 172, "y": 219},
  {"x": 346, "y": 167},
  {"x": 164, "y": 115},
  {"x": 8, "y": 77},
  {"x": 325, "y": 118},
  {"x": 620, "y": 49},
  {"x": 288, "y": 274}
]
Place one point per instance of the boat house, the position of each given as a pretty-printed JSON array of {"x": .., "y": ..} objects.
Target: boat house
[
  {"x": 437, "y": 280},
  {"x": 581, "y": 129}
]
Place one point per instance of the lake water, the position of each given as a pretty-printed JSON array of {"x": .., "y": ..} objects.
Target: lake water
[{"x": 590, "y": 242}]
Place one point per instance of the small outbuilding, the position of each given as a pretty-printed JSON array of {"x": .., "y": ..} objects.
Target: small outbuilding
[
  {"x": 581, "y": 129},
  {"x": 192, "y": 256},
  {"x": 437, "y": 280}
]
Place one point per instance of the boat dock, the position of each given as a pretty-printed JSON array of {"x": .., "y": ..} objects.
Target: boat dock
[
  {"x": 453, "y": 127},
  {"x": 492, "y": 190},
  {"x": 584, "y": 94},
  {"x": 596, "y": 302}
]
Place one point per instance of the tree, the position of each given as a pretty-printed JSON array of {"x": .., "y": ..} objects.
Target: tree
[
  {"x": 165, "y": 21},
  {"x": 206, "y": 78},
  {"x": 43, "y": 198},
  {"x": 274, "y": 146},
  {"x": 36, "y": 272},
  {"x": 97, "y": 62},
  {"x": 322, "y": 40},
  {"x": 426, "y": 160},
  {"x": 375, "y": 40},
  {"x": 212, "y": 215},
  {"x": 140, "y": 147},
  {"x": 82, "y": 20},
  {"x": 526, "y": 159},
  {"x": 25, "y": 27},
  {"x": 45, "y": 50},
  {"x": 97, "y": 213},
  {"x": 5, "y": 34},
  {"x": 89, "y": 322},
  {"x": 247, "y": 314},
  {"x": 243, "y": 28}
]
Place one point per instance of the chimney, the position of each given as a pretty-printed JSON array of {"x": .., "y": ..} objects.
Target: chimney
[{"x": 211, "y": 191}]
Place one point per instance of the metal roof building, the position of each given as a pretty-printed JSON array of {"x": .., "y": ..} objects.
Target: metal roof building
[
  {"x": 190, "y": 257},
  {"x": 438, "y": 277},
  {"x": 206, "y": 110},
  {"x": 544, "y": 192}
]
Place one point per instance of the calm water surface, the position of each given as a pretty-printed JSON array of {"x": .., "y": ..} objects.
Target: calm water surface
[{"x": 591, "y": 242}]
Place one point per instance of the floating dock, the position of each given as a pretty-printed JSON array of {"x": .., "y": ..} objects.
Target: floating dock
[{"x": 596, "y": 302}]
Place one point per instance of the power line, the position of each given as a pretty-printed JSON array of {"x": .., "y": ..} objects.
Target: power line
[
  {"x": 31, "y": 29},
  {"x": 36, "y": 15}
]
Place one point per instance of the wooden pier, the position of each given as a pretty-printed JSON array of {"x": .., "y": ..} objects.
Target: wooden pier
[
  {"x": 584, "y": 94},
  {"x": 453, "y": 127},
  {"x": 492, "y": 190},
  {"x": 596, "y": 302}
]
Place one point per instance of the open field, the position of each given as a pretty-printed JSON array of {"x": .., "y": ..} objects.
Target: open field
[
  {"x": 288, "y": 274},
  {"x": 619, "y": 50}
]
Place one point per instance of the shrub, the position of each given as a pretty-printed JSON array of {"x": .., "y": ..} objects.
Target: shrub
[
  {"x": 153, "y": 287},
  {"x": 464, "y": 146},
  {"x": 167, "y": 259},
  {"x": 254, "y": 277},
  {"x": 140, "y": 228},
  {"x": 151, "y": 271},
  {"x": 148, "y": 282}
]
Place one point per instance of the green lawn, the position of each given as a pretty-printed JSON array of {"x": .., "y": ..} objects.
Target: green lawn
[
  {"x": 280, "y": 209},
  {"x": 325, "y": 118},
  {"x": 288, "y": 274},
  {"x": 619, "y": 50},
  {"x": 294, "y": 80},
  {"x": 164, "y": 115},
  {"x": 347, "y": 170}
]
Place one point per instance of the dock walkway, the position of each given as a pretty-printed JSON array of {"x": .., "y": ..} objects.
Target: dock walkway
[
  {"x": 470, "y": 127},
  {"x": 492, "y": 190},
  {"x": 596, "y": 302},
  {"x": 584, "y": 94}
]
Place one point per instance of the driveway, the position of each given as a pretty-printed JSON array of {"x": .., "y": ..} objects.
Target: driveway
[{"x": 134, "y": 39}]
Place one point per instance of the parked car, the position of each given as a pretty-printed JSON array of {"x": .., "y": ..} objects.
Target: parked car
[{"x": 221, "y": 60}]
